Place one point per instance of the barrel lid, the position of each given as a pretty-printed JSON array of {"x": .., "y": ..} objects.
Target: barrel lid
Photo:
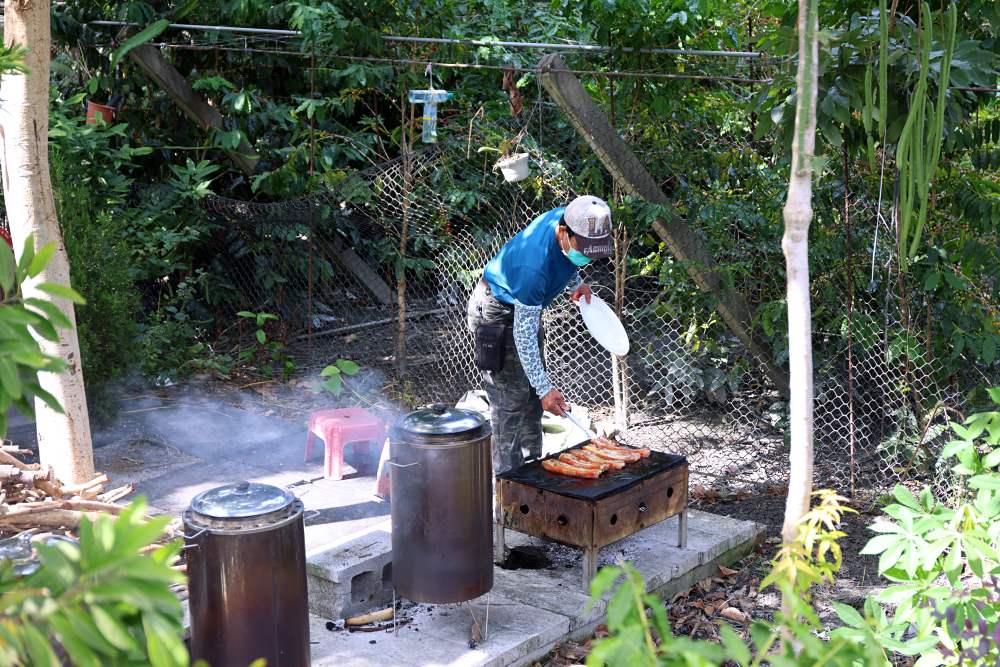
[
  {"x": 439, "y": 419},
  {"x": 241, "y": 500}
]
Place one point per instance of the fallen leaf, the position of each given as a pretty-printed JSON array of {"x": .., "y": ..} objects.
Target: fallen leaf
[
  {"x": 350, "y": 338},
  {"x": 734, "y": 614},
  {"x": 727, "y": 572},
  {"x": 709, "y": 611},
  {"x": 680, "y": 596}
]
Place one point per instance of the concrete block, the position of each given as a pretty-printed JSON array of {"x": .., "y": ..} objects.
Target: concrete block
[{"x": 351, "y": 576}]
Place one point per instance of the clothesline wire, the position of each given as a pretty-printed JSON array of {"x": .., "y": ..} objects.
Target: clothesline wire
[{"x": 472, "y": 66}]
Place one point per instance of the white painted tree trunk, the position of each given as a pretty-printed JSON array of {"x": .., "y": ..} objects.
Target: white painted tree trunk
[
  {"x": 63, "y": 439},
  {"x": 795, "y": 244}
]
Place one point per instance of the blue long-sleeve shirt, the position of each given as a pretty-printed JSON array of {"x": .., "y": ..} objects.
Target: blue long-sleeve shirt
[{"x": 529, "y": 272}]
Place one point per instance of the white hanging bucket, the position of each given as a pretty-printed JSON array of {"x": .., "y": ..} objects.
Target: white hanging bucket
[{"x": 514, "y": 168}]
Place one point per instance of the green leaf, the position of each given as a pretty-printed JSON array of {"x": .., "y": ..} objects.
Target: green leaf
[
  {"x": 328, "y": 371},
  {"x": 62, "y": 292},
  {"x": 27, "y": 254},
  {"x": 602, "y": 583},
  {"x": 994, "y": 394},
  {"x": 954, "y": 447},
  {"x": 620, "y": 605},
  {"x": 348, "y": 367},
  {"x": 989, "y": 351},
  {"x": 185, "y": 9},
  {"x": 848, "y": 614},
  {"x": 41, "y": 260},
  {"x": 736, "y": 650},
  {"x": 891, "y": 556},
  {"x": 163, "y": 642},
  {"x": 261, "y": 336},
  {"x": 113, "y": 629},
  {"x": 75, "y": 645},
  {"x": 7, "y": 267},
  {"x": 879, "y": 543},
  {"x": 988, "y": 481},
  {"x": 50, "y": 310},
  {"x": 659, "y": 614},
  {"x": 39, "y": 650},
  {"x": 334, "y": 385},
  {"x": 9, "y": 378},
  {"x": 145, "y": 35},
  {"x": 992, "y": 459},
  {"x": 906, "y": 497},
  {"x": 247, "y": 313}
]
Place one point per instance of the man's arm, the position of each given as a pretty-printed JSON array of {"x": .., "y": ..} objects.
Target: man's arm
[{"x": 527, "y": 320}]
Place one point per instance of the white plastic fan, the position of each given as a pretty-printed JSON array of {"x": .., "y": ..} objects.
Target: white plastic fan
[{"x": 603, "y": 325}]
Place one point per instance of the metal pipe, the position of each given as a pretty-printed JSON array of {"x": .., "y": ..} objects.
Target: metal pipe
[
  {"x": 465, "y": 42},
  {"x": 211, "y": 28},
  {"x": 571, "y": 47}
]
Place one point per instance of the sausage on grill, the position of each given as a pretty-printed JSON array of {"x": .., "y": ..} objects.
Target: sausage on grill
[
  {"x": 594, "y": 457},
  {"x": 562, "y": 468},
  {"x": 608, "y": 453}
]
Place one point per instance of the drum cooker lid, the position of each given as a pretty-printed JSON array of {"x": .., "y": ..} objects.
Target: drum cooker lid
[
  {"x": 439, "y": 419},
  {"x": 240, "y": 501}
]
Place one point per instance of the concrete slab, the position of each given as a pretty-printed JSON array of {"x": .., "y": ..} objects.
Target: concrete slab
[{"x": 532, "y": 610}]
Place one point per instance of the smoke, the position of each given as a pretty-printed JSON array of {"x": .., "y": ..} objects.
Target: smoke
[{"x": 173, "y": 442}]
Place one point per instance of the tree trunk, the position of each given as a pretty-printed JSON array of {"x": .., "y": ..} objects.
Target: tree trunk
[
  {"x": 795, "y": 244},
  {"x": 63, "y": 439}
]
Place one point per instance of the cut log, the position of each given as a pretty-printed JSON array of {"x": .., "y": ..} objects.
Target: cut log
[
  {"x": 48, "y": 518},
  {"x": 72, "y": 489},
  {"x": 684, "y": 243},
  {"x": 163, "y": 74},
  {"x": 374, "y": 617}
]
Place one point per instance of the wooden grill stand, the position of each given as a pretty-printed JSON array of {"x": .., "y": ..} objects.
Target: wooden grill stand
[{"x": 591, "y": 524}]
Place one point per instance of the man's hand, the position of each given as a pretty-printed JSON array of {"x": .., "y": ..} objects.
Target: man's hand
[
  {"x": 555, "y": 403},
  {"x": 582, "y": 291}
]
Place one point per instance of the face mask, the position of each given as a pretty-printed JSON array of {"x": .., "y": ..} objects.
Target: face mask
[{"x": 577, "y": 257}]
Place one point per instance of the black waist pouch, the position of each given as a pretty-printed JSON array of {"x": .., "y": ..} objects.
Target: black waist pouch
[{"x": 491, "y": 346}]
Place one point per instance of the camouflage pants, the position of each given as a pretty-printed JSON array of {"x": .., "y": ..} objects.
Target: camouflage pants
[{"x": 516, "y": 412}]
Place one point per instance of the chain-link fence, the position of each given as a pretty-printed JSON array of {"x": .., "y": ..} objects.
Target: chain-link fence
[{"x": 379, "y": 268}]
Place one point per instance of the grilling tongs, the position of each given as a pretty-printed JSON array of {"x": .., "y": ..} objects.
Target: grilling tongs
[{"x": 579, "y": 425}]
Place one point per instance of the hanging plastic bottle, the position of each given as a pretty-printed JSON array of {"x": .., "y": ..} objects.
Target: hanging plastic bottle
[{"x": 430, "y": 99}]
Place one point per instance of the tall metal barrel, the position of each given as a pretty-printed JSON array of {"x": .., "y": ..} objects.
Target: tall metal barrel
[
  {"x": 442, "y": 514},
  {"x": 246, "y": 558}
]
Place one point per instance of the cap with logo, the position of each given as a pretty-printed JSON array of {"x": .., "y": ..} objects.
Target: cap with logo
[{"x": 589, "y": 218}]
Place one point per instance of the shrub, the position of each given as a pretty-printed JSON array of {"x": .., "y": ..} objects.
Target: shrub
[
  {"x": 95, "y": 238},
  {"x": 99, "y": 602},
  {"x": 944, "y": 557}
]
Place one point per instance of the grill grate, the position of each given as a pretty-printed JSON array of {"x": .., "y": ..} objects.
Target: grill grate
[{"x": 610, "y": 483}]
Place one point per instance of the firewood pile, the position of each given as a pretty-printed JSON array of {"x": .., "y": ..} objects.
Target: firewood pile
[{"x": 32, "y": 497}]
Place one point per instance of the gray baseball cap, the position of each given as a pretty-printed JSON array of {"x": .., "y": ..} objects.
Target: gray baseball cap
[{"x": 589, "y": 218}]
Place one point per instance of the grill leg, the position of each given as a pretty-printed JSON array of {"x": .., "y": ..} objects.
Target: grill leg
[
  {"x": 589, "y": 566},
  {"x": 682, "y": 529},
  {"x": 499, "y": 538}
]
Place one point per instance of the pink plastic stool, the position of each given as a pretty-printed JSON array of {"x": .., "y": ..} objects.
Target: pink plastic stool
[{"x": 338, "y": 428}]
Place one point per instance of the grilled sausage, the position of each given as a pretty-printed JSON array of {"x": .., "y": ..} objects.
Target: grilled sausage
[
  {"x": 576, "y": 460},
  {"x": 562, "y": 468},
  {"x": 597, "y": 458},
  {"x": 627, "y": 455},
  {"x": 608, "y": 443}
]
